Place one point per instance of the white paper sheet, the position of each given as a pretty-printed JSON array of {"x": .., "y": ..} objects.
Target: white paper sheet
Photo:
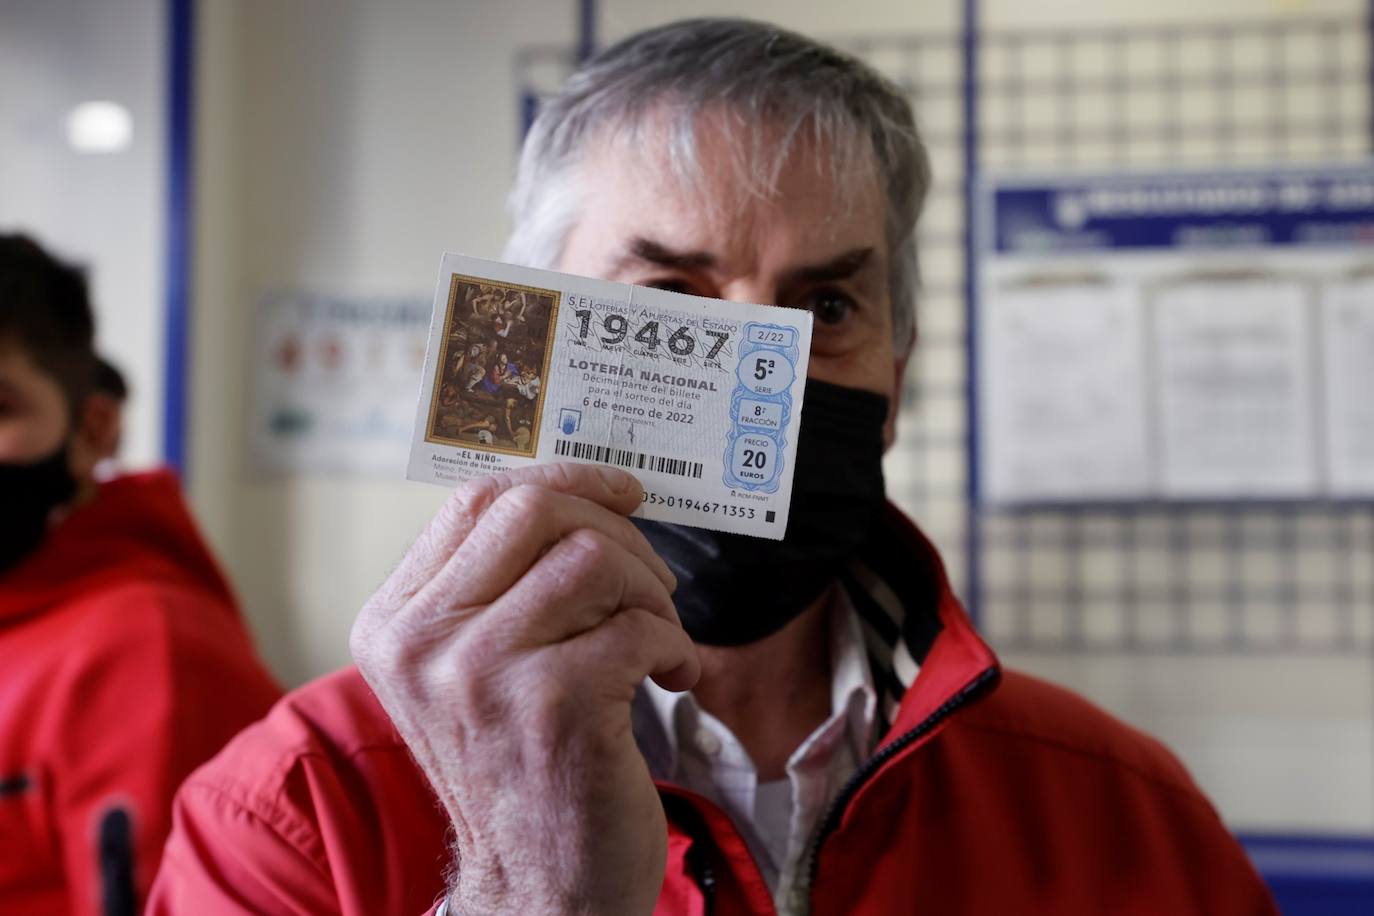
[
  {"x": 1063, "y": 393},
  {"x": 1235, "y": 390},
  {"x": 334, "y": 382},
  {"x": 1348, "y": 329}
]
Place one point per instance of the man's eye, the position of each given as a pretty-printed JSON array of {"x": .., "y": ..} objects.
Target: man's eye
[{"x": 832, "y": 308}]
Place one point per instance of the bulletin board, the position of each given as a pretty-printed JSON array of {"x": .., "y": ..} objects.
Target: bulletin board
[
  {"x": 1218, "y": 569},
  {"x": 1204, "y": 337}
]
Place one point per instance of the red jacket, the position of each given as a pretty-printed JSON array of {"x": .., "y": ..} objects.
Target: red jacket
[
  {"x": 123, "y": 667},
  {"x": 989, "y": 793}
]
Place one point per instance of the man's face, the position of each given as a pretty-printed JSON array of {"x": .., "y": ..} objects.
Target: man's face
[
  {"x": 813, "y": 246},
  {"x": 33, "y": 410}
]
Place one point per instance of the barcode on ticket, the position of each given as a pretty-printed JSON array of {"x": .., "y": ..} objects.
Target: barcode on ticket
[{"x": 627, "y": 459}]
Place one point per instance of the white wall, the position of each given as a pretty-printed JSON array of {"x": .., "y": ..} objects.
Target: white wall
[
  {"x": 102, "y": 211},
  {"x": 342, "y": 147}
]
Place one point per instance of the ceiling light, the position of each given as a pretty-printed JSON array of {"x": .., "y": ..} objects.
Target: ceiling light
[{"x": 100, "y": 127}]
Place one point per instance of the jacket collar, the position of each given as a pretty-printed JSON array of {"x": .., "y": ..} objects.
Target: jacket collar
[
  {"x": 921, "y": 646},
  {"x": 137, "y": 527},
  {"x": 914, "y": 623}
]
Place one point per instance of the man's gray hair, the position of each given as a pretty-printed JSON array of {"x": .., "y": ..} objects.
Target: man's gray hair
[{"x": 779, "y": 85}]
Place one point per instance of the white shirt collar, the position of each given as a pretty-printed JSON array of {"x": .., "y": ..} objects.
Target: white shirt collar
[{"x": 851, "y": 689}]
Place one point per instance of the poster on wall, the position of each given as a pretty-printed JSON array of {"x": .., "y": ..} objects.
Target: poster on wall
[
  {"x": 1347, "y": 319},
  {"x": 1234, "y": 387},
  {"x": 1175, "y": 336},
  {"x": 334, "y": 381},
  {"x": 1065, "y": 407}
]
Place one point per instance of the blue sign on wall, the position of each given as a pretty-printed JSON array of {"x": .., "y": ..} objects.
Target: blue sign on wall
[{"x": 1233, "y": 210}]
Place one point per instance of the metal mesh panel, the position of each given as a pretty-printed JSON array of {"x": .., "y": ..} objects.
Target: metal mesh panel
[
  {"x": 926, "y": 470},
  {"x": 1177, "y": 578}
]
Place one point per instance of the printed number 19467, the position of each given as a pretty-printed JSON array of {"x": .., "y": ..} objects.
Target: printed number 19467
[{"x": 681, "y": 342}]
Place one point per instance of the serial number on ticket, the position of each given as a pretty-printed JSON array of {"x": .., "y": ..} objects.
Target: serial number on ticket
[{"x": 698, "y": 398}]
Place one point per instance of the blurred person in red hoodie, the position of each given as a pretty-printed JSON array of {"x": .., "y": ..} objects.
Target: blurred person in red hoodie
[{"x": 124, "y": 663}]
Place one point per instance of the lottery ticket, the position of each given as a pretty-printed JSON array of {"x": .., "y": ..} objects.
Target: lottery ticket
[{"x": 700, "y": 399}]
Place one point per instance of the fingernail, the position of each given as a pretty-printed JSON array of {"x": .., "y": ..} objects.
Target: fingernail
[{"x": 617, "y": 480}]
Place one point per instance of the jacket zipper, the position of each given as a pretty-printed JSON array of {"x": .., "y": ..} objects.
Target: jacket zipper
[
  {"x": 702, "y": 850},
  {"x": 831, "y": 821},
  {"x": 17, "y": 784},
  {"x": 704, "y": 873}
]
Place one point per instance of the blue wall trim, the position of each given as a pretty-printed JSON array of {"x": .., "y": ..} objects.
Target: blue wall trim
[
  {"x": 973, "y": 546},
  {"x": 180, "y": 42},
  {"x": 1313, "y": 875},
  {"x": 586, "y": 29}
]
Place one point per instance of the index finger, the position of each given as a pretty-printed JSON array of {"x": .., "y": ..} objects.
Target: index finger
[{"x": 611, "y": 487}]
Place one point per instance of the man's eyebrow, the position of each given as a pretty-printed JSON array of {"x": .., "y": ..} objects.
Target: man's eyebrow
[
  {"x": 645, "y": 249},
  {"x": 838, "y": 268},
  {"x": 841, "y": 267}
]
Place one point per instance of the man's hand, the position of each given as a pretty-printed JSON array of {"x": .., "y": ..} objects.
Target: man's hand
[{"x": 506, "y": 648}]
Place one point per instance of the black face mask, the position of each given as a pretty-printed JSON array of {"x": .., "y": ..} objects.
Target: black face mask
[
  {"x": 734, "y": 589},
  {"x": 29, "y": 493}
]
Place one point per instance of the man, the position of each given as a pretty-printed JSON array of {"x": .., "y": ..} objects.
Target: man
[
  {"x": 512, "y": 741},
  {"x": 484, "y": 430},
  {"x": 500, "y": 372},
  {"x": 123, "y": 662},
  {"x": 517, "y": 422},
  {"x": 527, "y": 383},
  {"x": 477, "y": 368}
]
